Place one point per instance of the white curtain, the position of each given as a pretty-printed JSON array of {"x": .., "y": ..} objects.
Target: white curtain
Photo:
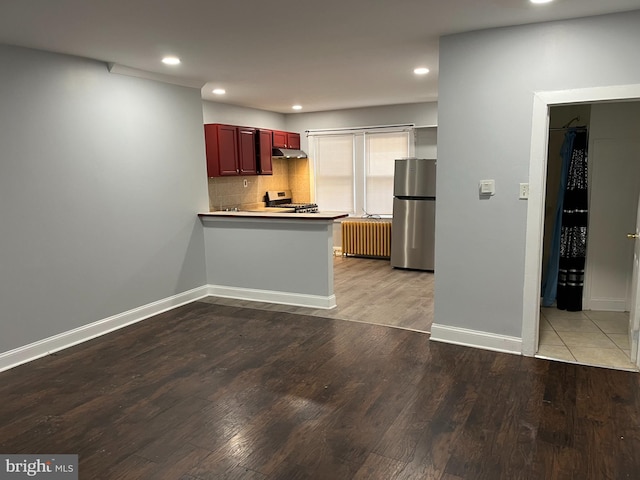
[
  {"x": 354, "y": 170},
  {"x": 381, "y": 151},
  {"x": 335, "y": 173}
]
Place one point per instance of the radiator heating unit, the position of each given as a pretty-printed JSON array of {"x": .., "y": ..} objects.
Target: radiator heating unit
[{"x": 366, "y": 238}]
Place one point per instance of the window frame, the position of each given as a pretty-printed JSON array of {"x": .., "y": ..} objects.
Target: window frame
[{"x": 359, "y": 161}]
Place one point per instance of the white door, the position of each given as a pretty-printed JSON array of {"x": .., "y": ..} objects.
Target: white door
[
  {"x": 634, "y": 313},
  {"x": 614, "y": 186}
]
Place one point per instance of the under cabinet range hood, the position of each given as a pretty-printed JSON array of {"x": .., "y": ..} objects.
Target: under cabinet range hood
[{"x": 287, "y": 153}]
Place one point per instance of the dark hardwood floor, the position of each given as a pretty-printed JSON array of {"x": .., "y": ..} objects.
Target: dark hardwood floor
[{"x": 220, "y": 392}]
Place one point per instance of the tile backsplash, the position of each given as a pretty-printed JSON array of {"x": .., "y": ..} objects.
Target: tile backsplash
[
  {"x": 300, "y": 180},
  {"x": 288, "y": 174}
]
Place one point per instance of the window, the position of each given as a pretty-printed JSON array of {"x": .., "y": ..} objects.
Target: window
[
  {"x": 334, "y": 174},
  {"x": 354, "y": 171},
  {"x": 381, "y": 150}
]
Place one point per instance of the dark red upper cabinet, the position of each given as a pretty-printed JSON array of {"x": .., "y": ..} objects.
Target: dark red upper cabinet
[
  {"x": 234, "y": 150},
  {"x": 221, "y": 143},
  {"x": 247, "y": 151},
  {"x": 293, "y": 141},
  {"x": 286, "y": 140},
  {"x": 231, "y": 150},
  {"x": 263, "y": 149},
  {"x": 279, "y": 139}
]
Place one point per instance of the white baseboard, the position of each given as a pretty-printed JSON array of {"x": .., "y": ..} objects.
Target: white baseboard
[
  {"x": 63, "y": 340},
  {"x": 476, "y": 339},
  {"x": 270, "y": 296},
  {"x": 46, "y": 346},
  {"x": 607, "y": 304}
]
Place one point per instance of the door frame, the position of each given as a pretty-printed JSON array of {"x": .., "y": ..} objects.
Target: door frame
[{"x": 542, "y": 101}]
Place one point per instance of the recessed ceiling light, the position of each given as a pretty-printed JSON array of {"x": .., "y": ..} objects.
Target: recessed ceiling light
[
  {"x": 297, "y": 107},
  {"x": 171, "y": 61},
  {"x": 421, "y": 71},
  {"x": 219, "y": 91},
  {"x": 541, "y": 1}
]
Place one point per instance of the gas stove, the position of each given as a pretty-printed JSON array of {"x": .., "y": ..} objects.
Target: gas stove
[{"x": 282, "y": 199}]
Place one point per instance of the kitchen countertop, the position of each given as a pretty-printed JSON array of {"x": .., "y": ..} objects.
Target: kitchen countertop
[{"x": 281, "y": 215}]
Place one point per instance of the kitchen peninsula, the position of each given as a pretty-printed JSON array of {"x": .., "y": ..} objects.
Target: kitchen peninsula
[{"x": 283, "y": 258}]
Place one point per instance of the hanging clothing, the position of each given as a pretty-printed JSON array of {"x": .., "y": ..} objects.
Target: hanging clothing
[
  {"x": 550, "y": 280},
  {"x": 573, "y": 232}
]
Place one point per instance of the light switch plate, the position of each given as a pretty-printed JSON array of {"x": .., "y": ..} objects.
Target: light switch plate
[{"x": 487, "y": 187}]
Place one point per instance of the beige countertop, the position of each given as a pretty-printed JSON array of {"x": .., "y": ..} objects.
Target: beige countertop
[{"x": 280, "y": 215}]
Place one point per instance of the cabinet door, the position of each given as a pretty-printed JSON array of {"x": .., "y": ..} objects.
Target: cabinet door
[
  {"x": 228, "y": 150},
  {"x": 221, "y": 142},
  {"x": 293, "y": 141},
  {"x": 265, "y": 166},
  {"x": 211, "y": 148},
  {"x": 247, "y": 150},
  {"x": 279, "y": 139}
]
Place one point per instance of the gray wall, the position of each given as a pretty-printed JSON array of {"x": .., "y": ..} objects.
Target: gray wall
[
  {"x": 270, "y": 255},
  {"x": 487, "y": 81},
  {"x": 101, "y": 177},
  {"x": 214, "y": 112},
  {"x": 417, "y": 113}
]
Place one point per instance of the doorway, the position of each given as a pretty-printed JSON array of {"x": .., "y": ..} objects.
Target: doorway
[
  {"x": 597, "y": 335},
  {"x": 543, "y": 101}
]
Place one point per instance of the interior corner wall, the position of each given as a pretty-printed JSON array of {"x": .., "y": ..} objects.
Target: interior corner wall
[
  {"x": 423, "y": 113},
  {"x": 101, "y": 178},
  {"x": 215, "y": 112},
  {"x": 486, "y": 90}
]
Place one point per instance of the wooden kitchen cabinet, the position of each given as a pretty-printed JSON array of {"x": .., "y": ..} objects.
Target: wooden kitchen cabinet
[
  {"x": 234, "y": 150},
  {"x": 279, "y": 139},
  {"x": 221, "y": 142},
  {"x": 293, "y": 141},
  {"x": 230, "y": 150},
  {"x": 247, "y": 151},
  {"x": 286, "y": 140},
  {"x": 263, "y": 150}
]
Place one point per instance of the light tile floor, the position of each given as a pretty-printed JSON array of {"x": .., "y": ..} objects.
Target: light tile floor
[{"x": 587, "y": 337}]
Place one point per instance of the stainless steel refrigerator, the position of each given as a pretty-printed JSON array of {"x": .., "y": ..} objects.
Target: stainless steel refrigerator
[{"x": 414, "y": 214}]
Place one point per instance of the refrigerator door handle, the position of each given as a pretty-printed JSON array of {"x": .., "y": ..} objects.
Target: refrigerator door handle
[{"x": 410, "y": 197}]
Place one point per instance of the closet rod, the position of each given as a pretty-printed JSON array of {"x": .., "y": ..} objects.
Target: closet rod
[
  {"x": 558, "y": 129},
  {"x": 574, "y": 119}
]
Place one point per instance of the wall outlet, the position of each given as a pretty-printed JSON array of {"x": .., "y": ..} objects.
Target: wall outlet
[
  {"x": 245, "y": 183},
  {"x": 524, "y": 191}
]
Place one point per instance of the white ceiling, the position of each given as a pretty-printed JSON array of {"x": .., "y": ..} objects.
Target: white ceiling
[{"x": 324, "y": 55}]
